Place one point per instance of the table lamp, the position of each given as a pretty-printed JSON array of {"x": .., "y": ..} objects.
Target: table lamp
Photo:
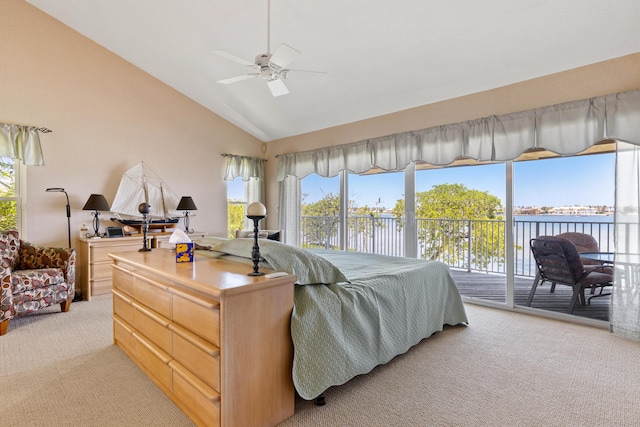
[
  {"x": 186, "y": 204},
  {"x": 96, "y": 203}
]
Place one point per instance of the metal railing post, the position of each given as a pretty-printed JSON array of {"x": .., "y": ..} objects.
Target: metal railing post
[
  {"x": 469, "y": 243},
  {"x": 373, "y": 234}
]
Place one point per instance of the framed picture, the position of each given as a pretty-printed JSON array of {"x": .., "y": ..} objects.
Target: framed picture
[{"x": 115, "y": 232}]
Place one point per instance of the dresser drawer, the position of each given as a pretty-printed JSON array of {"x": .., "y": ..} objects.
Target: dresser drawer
[
  {"x": 122, "y": 306},
  {"x": 100, "y": 270},
  {"x": 101, "y": 286},
  {"x": 101, "y": 252},
  {"x": 123, "y": 279},
  {"x": 154, "y": 360},
  {"x": 153, "y": 294},
  {"x": 154, "y": 326},
  {"x": 197, "y": 315},
  {"x": 197, "y": 355},
  {"x": 123, "y": 335},
  {"x": 200, "y": 399}
]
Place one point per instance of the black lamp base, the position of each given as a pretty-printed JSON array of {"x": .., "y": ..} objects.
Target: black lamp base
[
  {"x": 145, "y": 227},
  {"x": 255, "y": 252}
]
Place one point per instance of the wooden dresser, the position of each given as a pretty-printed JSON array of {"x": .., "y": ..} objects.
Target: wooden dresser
[
  {"x": 215, "y": 340},
  {"x": 94, "y": 264}
]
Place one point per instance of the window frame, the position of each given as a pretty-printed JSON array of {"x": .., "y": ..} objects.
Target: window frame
[{"x": 20, "y": 178}]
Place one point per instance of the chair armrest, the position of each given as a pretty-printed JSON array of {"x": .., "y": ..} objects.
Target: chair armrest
[
  {"x": 6, "y": 289},
  {"x": 604, "y": 268},
  {"x": 34, "y": 257}
]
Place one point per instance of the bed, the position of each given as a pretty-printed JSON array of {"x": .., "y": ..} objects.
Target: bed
[{"x": 352, "y": 311}]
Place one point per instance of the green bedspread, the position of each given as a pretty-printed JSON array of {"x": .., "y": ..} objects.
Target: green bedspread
[{"x": 347, "y": 328}]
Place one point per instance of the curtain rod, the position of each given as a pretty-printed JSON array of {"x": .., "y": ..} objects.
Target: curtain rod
[
  {"x": 246, "y": 157},
  {"x": 40, "y": 129}
]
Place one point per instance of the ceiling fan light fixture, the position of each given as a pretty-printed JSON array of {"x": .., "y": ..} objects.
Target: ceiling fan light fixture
[
  {"x": 277, "y": 87},
  {"x": 266, "y": 73}
]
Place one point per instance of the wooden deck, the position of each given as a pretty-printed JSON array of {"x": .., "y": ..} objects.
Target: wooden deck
[{"x": 492, "y": 287}]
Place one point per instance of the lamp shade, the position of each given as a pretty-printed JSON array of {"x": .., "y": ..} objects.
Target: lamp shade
[
  {"x": 96, "y": 202},
  {"x": 256, "y": 209},
  {"x": 186, "y": 204}
]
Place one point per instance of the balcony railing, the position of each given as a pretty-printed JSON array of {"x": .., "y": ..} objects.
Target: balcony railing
[{"x": 473, "y": 245}]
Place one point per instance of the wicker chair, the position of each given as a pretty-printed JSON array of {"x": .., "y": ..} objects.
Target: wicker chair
[
  {"x": 33, "y": 277},
  {"x": 585, "y": 243},
  {"x": 559, "y": 262}
]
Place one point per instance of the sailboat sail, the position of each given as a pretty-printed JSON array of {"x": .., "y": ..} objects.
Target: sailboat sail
[{"x": 140, "y": 184}]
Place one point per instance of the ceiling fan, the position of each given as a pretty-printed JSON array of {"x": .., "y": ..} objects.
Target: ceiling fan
[{"x": 270, "y": 66}]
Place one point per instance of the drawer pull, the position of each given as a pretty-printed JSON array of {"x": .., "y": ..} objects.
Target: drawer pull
[
  {"x": 197, "y": 300},
  {"x": 122, "y": 296},
  {"x": 122, "y": 269},
  {"x": 202, "y": 388},
  {"x": 151, "y": 282},
  {"x": 123, "y": 324},
  {"x": 158, "y": 318},
  {"x": 201, "y": 343},
  {"x": 158, "y": 353}
]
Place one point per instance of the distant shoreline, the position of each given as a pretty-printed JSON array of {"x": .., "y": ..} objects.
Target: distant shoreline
[{"x": 548, "y": 214}]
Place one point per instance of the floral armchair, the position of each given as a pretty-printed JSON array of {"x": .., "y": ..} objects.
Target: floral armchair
[{"x": 33, "y": 277}]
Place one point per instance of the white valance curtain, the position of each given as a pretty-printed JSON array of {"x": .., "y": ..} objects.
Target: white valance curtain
[
  {"x": 22, "y": 143},
  {"x": 565, "y": 129}
]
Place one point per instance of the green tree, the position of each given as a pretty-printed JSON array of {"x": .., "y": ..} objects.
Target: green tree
[
  {"x": 322, "y": 222},
  {"x": 235, "y": 217},
  {"x": 8, "y": 208},
  {"x": 459, "y": 221}
]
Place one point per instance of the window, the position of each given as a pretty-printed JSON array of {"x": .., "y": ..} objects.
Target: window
[
  {"x": 376, "y": 211},
  {"x": 10, "y": 194},
  {"x": 236, "y": 206},
  {"x": 320, "y": 212}
]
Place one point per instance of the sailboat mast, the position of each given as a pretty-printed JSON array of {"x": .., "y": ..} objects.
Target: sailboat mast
[
  {"x": 145, "y": 189},
  {"x": 164, "y": 207}
]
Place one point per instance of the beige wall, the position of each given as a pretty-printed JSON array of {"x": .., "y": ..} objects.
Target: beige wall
[
  {"x": 617, "y": 75},
  {"x": 106, "y": 116}
]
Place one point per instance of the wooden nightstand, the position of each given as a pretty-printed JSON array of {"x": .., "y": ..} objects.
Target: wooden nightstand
[{"x": 94, "y": 264}]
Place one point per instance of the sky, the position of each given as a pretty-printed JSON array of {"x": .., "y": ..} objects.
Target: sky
[{"x": 568, "y": 181}]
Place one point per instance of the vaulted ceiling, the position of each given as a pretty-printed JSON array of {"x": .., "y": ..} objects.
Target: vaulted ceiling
[{"x": 379, "y": 56}]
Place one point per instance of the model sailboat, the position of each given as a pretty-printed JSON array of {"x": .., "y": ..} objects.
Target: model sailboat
[{"x": 139, "y": 185}]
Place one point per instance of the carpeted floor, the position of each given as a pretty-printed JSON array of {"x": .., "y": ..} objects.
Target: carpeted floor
[{"x": 504, "y": 369}]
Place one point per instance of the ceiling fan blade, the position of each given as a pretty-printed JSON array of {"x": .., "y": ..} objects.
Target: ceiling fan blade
[
  {"x": 284, "y": 55},
  {"x": 306, "y": 71},
  {"x": 233, "y": 58},
  {"x": 237, "y": 78},
  {"x": 277, "y": 87}
]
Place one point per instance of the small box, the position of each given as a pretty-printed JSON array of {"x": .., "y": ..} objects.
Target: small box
[{"x": 184, "y": 252}]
